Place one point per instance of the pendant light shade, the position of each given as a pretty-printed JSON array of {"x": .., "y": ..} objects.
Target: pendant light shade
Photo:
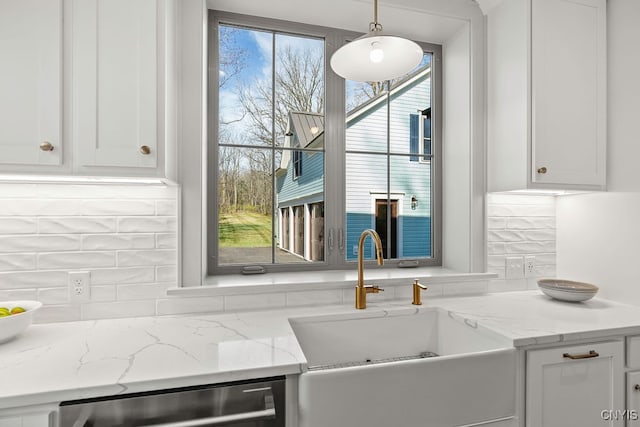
[{"x": 376, "y": 56}]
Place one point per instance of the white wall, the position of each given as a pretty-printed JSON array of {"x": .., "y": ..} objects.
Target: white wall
[{"x": 599, "y": 233}]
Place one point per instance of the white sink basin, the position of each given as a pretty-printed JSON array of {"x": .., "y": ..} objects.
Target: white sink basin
[{"x": 369, "y": 369}]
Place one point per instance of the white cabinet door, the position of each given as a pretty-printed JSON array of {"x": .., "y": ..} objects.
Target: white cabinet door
[
  {"x": 568, "y": 85},
  {"x": 572, "y": 386},
  {"x": 546, "y": 95},
  {"x": 633, "y": 399},
  {"x": 115, "y": 83},
  {"x": 31, "y": 81}
]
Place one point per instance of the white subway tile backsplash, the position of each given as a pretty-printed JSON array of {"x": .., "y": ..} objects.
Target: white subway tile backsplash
[
  {"x": 166, "y": 241},
  {"x": 18, "y": 294},
  {"x": 530, "y": 247},
  {"x": 97, "y": 242},
  {"x": 39, "y": 207},
  {"x": 47, "y": 230},
  {"x": 102, "y": 293},
  {"x": 494, "y": 248},
  {"x": 39, "y": 243},
  {"x": 11, "y": 262},
  {"x": 494, "y": 223},
  {"x": 69, "y": 225},
  {"x": 112, "y": 276},
  {"x": 135, "y": 292},
  {"x": 118, "y": 207},
  {"x": 167, "y": 273},
  {"x": 57, "y": 313},
  {"x": 58, "y": 295},
  {"x": 253, "y": 301},
  {"x": 32, "y": 279},
  {"x": 142, "y": 258},
  {"x": 76, "y": 260},
  {"x": 18, "y": 225},
  {"x": 112, "y": 310},
  {"x": 524, "y": 223},
  {"x": 166, "y": 207},
  {"x": 146, "y": 224},
  {"x": 520, "y": 225},
  {"x": 320, "y": 297}
]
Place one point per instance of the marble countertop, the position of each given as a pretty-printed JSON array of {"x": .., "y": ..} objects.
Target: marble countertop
[{"x": 66, "y": 361}]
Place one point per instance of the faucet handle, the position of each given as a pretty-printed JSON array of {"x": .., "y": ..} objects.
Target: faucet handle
[
  {"x": 373, "y": 289},
  {"x": 417, "y": 288}
]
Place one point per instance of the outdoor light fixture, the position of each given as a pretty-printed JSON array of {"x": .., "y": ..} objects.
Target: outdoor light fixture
[
  {"x": 376, "y": 56},
  {"x": 414, "y": 203}
]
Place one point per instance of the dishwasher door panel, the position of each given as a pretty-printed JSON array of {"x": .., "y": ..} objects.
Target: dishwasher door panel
[{"x": 249, "y": 404}]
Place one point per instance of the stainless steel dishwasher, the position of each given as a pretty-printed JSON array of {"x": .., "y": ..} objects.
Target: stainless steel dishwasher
[{"x": 241, "y": 404}]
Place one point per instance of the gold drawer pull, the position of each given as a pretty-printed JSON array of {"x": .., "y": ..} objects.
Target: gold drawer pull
[
  {"x": 636, "y": 387},
  {"x": 542, "y": 170},
  {"x": 581, "y": 356},
  {"x": 46, "y": 146},
  {"x": 145, "y": 149}
]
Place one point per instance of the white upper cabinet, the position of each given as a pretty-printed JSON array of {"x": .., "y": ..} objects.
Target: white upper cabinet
[
  {"x": 31, "y": 82},
  {"x": 115, "y": 84},
  {"x": 546, "y": 95}
]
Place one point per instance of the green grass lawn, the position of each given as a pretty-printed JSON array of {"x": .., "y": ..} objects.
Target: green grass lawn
[{"x": 244, "y": 229}]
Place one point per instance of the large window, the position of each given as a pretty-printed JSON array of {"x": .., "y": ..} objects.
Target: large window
[{"x": 301, "y": 162}]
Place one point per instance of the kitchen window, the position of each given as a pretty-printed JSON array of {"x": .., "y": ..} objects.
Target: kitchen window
[{"x": 302, "y": 161}]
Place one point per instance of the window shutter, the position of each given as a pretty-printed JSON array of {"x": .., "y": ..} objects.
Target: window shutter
[{"x": 414, "y": 135}]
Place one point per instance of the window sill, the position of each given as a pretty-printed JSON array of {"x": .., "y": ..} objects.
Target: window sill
[{"x": 324, "y": 280}]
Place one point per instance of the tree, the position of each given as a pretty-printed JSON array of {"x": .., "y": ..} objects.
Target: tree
[{"x": 299, "y": 86}]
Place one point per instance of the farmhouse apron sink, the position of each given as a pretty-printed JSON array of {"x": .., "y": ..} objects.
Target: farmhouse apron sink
[{"x": 409, "y": 367}]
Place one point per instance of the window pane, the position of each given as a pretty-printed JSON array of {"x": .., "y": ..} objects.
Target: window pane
[
  {"x": 244, "y": 206},
  {"x": 245, "y": 86},
  {"x": 388, "y": 173},
  {"x": 412, "y": 183},
  {"x": 366, "y": 183},
  {"x": 270, "y": 199},
  {"x": 300, "y": 207}
]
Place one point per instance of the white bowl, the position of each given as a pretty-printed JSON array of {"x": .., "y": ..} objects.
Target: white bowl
[
  {"x": 567, "y": 290},
  {"x": 14, "y": 324}
]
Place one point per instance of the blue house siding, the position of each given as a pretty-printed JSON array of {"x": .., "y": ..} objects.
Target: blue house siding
[
  {"x": 309, "y": 183},
  {"x": 416, "y": 232}
]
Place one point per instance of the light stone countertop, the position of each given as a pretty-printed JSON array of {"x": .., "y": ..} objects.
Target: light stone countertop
[{"x": 66, "y": 361}]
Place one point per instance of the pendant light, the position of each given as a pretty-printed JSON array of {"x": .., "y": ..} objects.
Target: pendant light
[{"x": 376, "y": 56}]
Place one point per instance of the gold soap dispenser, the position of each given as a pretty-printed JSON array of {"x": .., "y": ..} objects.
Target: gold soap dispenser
[{"x": 417, "y": 289}]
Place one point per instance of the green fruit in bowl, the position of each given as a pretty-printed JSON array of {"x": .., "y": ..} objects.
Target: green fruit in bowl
[
  {"x": 4, "y": 311},
  {"x": 16, "y": 310}
]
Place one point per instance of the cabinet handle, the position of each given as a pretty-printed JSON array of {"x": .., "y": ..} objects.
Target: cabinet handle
[
  {"x": 46, "y": 146},
  {"x": 542, "y": 170},
  {"x": 145, "y": 149},
  {"x": 636, "y": 387},
  {"x": 581, "y": 356}
]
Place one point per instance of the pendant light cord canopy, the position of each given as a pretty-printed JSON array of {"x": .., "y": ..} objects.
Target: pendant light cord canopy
[{"x": 376, "y": 56}]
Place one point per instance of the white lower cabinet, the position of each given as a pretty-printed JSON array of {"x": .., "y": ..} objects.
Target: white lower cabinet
[{"x": 580, "y": 385}]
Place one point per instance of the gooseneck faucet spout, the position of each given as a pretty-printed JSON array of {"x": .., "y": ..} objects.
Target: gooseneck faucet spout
[{"x": 361, "y": 289}]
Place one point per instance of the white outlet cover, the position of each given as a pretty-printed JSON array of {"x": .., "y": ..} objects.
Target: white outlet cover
[
  {"x": 79, "y": 286},
  {"x": 529, "y": 266}
]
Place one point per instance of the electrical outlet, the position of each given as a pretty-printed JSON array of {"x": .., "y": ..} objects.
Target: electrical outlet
[
  {"x": 354, "y": 250},
  {"x": 529, "y": 266},
  {"x": 514, "y": 267},
  {"x": 79, "y": 282}
]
